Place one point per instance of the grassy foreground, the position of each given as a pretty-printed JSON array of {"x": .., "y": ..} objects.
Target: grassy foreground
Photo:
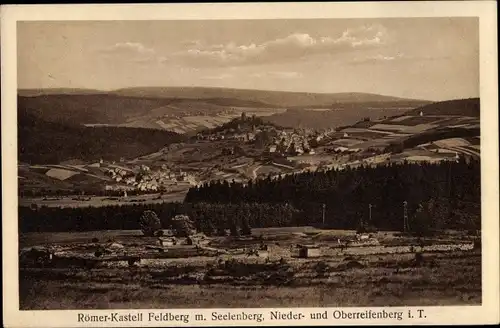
[{"x": 448, "y": 278}]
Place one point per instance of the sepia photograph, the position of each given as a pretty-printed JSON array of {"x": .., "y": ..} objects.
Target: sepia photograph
[{"x": 249, "y": 163}]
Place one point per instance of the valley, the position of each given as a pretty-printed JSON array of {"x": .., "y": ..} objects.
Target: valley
[{"x": 235, "y": 144}]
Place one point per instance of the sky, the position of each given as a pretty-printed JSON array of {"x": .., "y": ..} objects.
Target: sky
[{"x": 420, "y": 58}]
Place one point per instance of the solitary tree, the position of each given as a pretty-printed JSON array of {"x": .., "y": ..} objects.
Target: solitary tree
[{"x": 150, "y": 223}]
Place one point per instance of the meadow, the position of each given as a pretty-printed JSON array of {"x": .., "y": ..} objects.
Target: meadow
[{"x": 389, "y": 275}]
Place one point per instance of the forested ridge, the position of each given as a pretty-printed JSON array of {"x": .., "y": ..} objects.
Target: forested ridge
[
  {"x": 449, "y": 193},
  {"x": 44, "y": 142}
]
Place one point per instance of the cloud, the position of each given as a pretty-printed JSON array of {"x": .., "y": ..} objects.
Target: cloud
[
  {"x": 394, "y": 58},
  {"x": 129, "y": 47},
  {"x": 280, "y": 75},
  {"x": 218, "y": 77},
  {"x": 293, "y": 46},
  {"x": 133, "y": 51},
  {"x": 376, "y": 59},
  {"x": 191, "y": 43}
]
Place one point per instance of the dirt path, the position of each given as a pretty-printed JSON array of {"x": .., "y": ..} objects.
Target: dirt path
[{"x": 254, "y": 171}]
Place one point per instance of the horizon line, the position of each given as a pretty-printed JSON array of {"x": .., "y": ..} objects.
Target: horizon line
[{"x": 229, "y": 88}]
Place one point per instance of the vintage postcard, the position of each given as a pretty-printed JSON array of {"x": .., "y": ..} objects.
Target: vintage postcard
[{"x": 275, "y": 164}]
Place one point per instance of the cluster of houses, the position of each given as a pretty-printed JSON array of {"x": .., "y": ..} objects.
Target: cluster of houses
[
  {"x": 291, "y": 143},
  {"x": 322, "y": 135},
  {"x": 119, "y": 174},
  {"x": 243, "y": 136},
  {"x": 288, "y": 142},
  {"x": 342, "y": 149},
  {"x": 210, "y": 137},
  {"x": 147, "y": 179}
]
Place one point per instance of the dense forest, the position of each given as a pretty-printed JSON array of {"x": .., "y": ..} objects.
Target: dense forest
[
  {"x": 438, "y": 196},
  {"x": 448, "y": 192},
  {"x": 44, "y": 142},
  {"x": 207, "y": 217}
]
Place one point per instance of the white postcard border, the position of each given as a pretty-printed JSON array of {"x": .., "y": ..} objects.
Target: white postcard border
[{"x": 486, "y": 313}]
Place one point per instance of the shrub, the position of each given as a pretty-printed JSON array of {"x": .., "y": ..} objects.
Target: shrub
[
  {"x": 321, "y": 268},
  {"x": 366, "y": 229},
  {"x": 221, "y": 232},
  {"x": 208, "y": 228},
  {"x": 182, "y": 225}
]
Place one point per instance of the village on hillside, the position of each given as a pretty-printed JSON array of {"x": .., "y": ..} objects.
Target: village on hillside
[{"x": 248, "y": 148}]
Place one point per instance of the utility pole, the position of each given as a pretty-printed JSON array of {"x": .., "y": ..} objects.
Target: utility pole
[
  {"x": 361, "y": 224},
  {"x": 449, "y": 179},
  {"x": 370, "y": 216},
  {"x": 405, "y": 216},
  {"x": 324, "y": 208}
]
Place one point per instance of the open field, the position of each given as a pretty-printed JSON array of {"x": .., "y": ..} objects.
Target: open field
[
  {"x": 403, "y": 128},
  {"x": 190, "y": 123},
  {"x": 384, "y": 272},
  {"x": 72, "y": 201},
  {"x": 415, "y": 120}
]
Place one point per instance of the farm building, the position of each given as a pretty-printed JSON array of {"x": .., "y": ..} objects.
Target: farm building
[
  {"x": 308, "y": 251},
  {"x": 341, "y": 149},
  {"x": 167, "y": 241},
  {"x": 362, "y": 236}
]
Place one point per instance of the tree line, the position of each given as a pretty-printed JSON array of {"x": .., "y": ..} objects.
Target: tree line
[
  {"x": 207, "y": 217},
  {"x": 77, "y": 192}
]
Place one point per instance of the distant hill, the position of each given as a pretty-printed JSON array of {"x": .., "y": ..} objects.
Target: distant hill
[
  {"x": 341, "y": 115},
  {"x": 453, "y": 124},
  {"x": 185, "y": 110},
  {"x": 349, "y": 113},
  {"x": 178, "y": 115},
  {"x": 463, "y": 107},
  {"x": 57, "y": 91},
  {"x": 43, "y": 142},
  {"x": 88, "y": 108},
  {"x": 272, "y": 98}
]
